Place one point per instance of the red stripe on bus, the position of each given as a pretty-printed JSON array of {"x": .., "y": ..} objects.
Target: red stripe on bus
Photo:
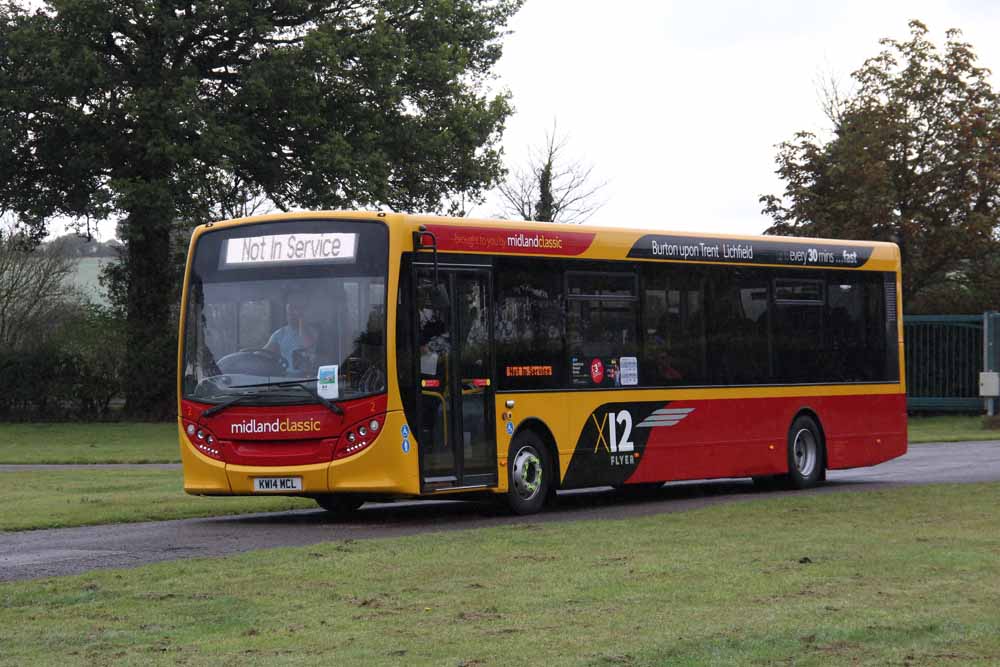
[{"x": 518, "y": 241}]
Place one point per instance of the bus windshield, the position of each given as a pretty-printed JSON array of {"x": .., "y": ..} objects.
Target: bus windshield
[{"x": 280, "y": 312}]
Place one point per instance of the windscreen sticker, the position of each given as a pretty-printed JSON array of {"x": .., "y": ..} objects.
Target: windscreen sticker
[
  {"x": 628, "y": 369},
  {"x": 326, "y": 382},
  {"x": 750, "y": 251}
]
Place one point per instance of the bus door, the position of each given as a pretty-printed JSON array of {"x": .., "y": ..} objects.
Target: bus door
[{"x": 455, "y": 430}]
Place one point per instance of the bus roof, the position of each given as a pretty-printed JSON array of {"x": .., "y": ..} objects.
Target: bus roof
[{"x": 491, "y": 236}]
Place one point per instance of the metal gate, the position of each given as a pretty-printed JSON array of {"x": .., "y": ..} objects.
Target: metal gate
[{"x": 944, "y": 356}]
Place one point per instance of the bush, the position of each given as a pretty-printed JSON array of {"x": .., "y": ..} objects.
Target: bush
[{"x": 76, "y": 373}]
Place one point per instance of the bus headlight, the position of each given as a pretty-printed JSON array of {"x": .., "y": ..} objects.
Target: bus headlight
[
  {"x": 358, "y": 436},
  {"x": 204, "y": 441}
]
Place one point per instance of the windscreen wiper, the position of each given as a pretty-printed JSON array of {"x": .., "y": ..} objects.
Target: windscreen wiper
[
  {"x": 302, "y": 383},
  {"x": 225, "y": 404},
  {"x": 333, "y": 407}
]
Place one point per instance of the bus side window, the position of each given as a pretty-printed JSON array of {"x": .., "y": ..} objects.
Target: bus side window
[
  {"x": 602, "y": 324},
  {"x": 673, "y": 314},
  {"x": 529, "y": 323}
]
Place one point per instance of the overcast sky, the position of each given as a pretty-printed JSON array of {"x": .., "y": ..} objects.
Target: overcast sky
[{"x": 679, "y": 105}]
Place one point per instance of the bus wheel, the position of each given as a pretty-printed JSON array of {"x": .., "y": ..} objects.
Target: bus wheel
[
  {"x": 805, "y": 454},
  {"x": 528, "y": 473},
  {"x": 340, "y": 503}
]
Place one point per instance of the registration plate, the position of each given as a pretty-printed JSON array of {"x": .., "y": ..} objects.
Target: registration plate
[{"x": 276, "y": 484}]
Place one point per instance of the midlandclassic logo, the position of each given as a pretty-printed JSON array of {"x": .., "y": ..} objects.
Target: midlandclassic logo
[
  {"x": 278, "y": 425},
  {"x": 535, "y": 241}
]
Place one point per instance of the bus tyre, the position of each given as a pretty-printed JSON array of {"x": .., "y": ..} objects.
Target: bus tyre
[
  {"x": 529, "y": 477},
  {"x": 340, "y": 504},
  {"x": 806, "y": 459}
]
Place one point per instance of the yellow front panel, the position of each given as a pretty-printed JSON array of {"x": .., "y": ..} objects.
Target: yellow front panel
[
  {"x": 381, "y": 468},
  {"x": 202, "y": 475}
]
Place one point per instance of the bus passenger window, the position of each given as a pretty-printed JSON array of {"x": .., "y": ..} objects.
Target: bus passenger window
[
  {"x": 602, "y": 322},
  {"x": 529, "y": 324},
  {"x": 673, "y": 343}
]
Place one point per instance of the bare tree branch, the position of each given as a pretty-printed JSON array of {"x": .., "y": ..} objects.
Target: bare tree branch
[{"x": 552, "y": 187}]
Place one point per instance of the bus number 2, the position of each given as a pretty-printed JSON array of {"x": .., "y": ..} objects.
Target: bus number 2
[{"x": 625, "y": 419}]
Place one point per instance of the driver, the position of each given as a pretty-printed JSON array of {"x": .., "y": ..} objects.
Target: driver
[{"x": 296, "y": 340}]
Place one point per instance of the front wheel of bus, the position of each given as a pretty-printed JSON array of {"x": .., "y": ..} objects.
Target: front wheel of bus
[
  {"x": 528, "y": 473},
  {"x": 806, "y": 459},
  {"x": 339, "y": 504}
]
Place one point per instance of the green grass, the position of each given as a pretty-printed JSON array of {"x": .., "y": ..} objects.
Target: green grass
[
  {"x": 89, "y": 443},
  {"x": 899, "y": 577},
  {"x": 950, "y": 428},
  {"x": 60, "y": 498}
]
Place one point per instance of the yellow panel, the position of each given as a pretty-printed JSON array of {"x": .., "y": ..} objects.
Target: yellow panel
[
  {"x": 202, "y": 475},
  {"x": 381, "y": 468}
]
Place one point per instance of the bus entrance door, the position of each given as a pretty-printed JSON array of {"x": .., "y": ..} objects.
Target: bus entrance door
[{"x": 456, "y": 433}]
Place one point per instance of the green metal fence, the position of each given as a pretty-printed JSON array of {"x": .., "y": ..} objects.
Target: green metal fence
[{"x": 944, "y": 356}]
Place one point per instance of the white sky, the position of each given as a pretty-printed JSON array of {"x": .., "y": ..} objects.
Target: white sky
[{"x": 678, "y": 105}]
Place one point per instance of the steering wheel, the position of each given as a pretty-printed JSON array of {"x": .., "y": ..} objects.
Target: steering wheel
[{"x": 257, "y": 361}]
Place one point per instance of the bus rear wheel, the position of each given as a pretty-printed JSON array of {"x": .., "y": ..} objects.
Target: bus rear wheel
[
  {"x": 529, "y": 478},
  {"x": 806, "y": 454},
  {"x": 339, "y": 504}
]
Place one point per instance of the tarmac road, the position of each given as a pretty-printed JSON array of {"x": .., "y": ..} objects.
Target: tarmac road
[{"x": 44, "y": 553}]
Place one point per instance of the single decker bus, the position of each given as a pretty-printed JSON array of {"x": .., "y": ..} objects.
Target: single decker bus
[{"x": 351, "y": 357}]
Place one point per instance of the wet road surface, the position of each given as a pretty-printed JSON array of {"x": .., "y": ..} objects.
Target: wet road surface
[{"x": 43, "y": 553}]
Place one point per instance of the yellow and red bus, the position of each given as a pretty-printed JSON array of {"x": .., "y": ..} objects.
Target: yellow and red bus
[{"x": 350, "y": 357}]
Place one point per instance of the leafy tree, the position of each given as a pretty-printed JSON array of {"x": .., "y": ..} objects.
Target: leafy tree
[
  {"x": 914, "y": 158},
  {"x": 139, "y": 109},
  {"x": 551, "y": 188}
]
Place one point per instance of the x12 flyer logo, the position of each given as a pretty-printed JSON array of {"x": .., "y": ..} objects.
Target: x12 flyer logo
[{"x": 612, "y": 441}]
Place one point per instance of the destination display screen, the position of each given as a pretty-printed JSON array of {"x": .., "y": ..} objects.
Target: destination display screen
[
  {"x": 750, "y": 251},
  {"x": 285, "y": 249}
]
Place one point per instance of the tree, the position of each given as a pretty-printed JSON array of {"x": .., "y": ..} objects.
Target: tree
[
  {"x": 914, "y": 158},
  {"x": 135, "y": 109},
  {"x": 35, "y": 292},
  {"x": 551, "y": 188}
]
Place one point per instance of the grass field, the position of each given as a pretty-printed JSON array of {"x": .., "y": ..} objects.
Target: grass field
[
  {"x": 157, "y": 443},
  {"x": 950, "y": 428},
  {"x": 89, "y": 443},
  {"x": 60, "y": 498},
  {"x": 900, "y": 577}
]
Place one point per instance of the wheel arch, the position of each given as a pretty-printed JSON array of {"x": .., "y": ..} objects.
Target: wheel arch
[{"x": 539, "y": 428}]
